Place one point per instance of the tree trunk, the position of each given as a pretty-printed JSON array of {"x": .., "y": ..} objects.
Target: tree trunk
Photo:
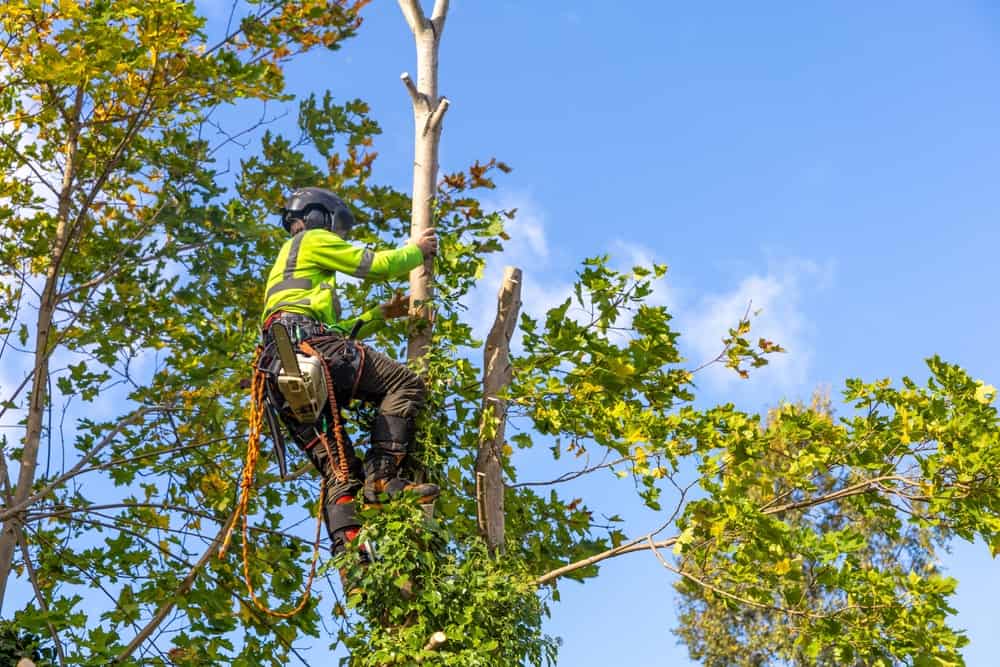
[
  {"x": 497, "y": 374},
  {"x": 428, "y": 111},
  {"x": 43, "y": 342}
]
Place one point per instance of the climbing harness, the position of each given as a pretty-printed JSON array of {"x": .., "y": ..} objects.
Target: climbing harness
[
  {"x": 246, "y": 484},
  {"x": 341, "y": 472}
]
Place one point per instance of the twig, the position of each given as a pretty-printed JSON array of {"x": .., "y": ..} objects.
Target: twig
[
  {"x": 418, "y": 98},
  {"x": 566, "y": 477},
  {"x": 128, "y": 421},
  {"x": 33, "y": 577}
]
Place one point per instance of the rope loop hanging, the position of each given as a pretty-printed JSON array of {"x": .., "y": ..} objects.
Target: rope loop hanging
[{"x": 256, "y": 420}]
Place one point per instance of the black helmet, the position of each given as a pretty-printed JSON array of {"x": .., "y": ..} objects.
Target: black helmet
[{"x": 319, "y": 209}]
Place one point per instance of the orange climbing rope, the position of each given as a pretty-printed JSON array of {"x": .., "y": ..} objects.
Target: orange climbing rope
[
  {"x": 343, "y": 472},
  {"x": 256, "y": 419}
]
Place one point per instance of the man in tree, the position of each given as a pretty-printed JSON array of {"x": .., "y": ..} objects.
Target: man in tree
[{"x": 301, "y": 296}]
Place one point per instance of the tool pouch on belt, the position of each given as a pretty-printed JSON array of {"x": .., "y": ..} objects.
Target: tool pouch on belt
[{"x": 344, "y": 360}]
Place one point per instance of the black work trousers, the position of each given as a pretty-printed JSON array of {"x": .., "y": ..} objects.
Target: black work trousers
[{"x": 393, "y": 388}]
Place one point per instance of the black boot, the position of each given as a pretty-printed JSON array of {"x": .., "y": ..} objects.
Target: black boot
[
  {"x": 343, "y": 527},
  {"x": 382, "y": 476},
  {"x": 390, "y": 436}
]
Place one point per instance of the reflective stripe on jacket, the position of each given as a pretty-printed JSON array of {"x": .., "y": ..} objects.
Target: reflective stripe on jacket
[{"x": 302, "y": 279}]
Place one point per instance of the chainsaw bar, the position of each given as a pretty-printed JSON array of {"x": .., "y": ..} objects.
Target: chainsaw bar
[{"x": 286, "y": 351}]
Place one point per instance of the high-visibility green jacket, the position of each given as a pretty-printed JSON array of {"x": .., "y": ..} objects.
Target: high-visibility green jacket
[{"x": 303, "y": 278}]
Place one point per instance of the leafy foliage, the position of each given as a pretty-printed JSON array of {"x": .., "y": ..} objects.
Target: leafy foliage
[
  {"x": 719, "y": 632},
  {"x": 430, "y": 580},
  {"x": 143, "y": 274},
  {"x": 16, "y": 644}
]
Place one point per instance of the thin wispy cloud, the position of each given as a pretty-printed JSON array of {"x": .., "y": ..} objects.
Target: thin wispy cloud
[
  {"x": 777, "y": 295},
  {"x": 777, "y": 301},
  {"x": 542, "y": 287}
]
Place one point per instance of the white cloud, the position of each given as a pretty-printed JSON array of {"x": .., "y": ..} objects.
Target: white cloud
[
  {"x": 778, "y": 295},
  {"x": 28, "y": 136},
  {"x": 527, "y": 250},
  {"x": 775, "y": 298}
]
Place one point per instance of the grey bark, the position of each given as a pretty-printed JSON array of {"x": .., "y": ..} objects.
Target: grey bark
[
  {"x": 43, "y": 339},
  {"x": 428, "y": 112},
  {"x": 497, "y": 375}
]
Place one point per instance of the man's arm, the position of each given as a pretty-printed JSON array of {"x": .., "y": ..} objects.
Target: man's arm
[
  {"x": 374, "y": 320},
  {"x": 331, "y": 252}
]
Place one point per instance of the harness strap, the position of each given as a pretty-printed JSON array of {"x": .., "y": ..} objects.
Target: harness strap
[
  {"x": 342, "y": 472},
  {"x": 246, "y": 485}
]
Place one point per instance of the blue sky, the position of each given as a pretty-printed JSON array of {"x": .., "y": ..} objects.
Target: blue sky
[{"x": 835, "y": 163}]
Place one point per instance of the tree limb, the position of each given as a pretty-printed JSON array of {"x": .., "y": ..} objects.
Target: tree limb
[
  {"x": 438, "y": 16},
  {"x": 566, "y": 477},
  {"x": 418, "y": 98},
  {"x": 414, "y": 15},
  {"x": 182, "y": 589},
  {"x": 434, "y": 120},
  {"x": 638, "y": 544},
  {"x": 33, "y": 578},
  {"x": 12, "y": 510},
  {"x": 645, "y": 542}
]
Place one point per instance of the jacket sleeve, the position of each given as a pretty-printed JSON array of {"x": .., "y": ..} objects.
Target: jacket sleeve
[
  {"x": 372, "y": 321},
  {"x": 331, "y": 252}
]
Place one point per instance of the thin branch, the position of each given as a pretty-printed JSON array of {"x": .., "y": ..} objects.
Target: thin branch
[
  {"x": 566, "y": 477},
  {"x": 645, "y": 542},
  {"x": 638, "y": 544},
  {"x": 33, "y": 577},
  {"x": 128, "y": 421},
  {"x": 434, "y": 120},
  {"x": 182, "y": 589},
  {"x": 863, "y": 486},
  {"x": 414, "y": 15},
  {"x": 118, "y": 266},
  {"x": 228, "y": 39},
  {"x": 418, "y": 98},
  {"x": 722, "y": 354},
  {"x": 96, "y": 510},
  {"x": 17, "y": 392},
  {"x": 30, "y": 165},
  {"x": 96, "y": 581}
]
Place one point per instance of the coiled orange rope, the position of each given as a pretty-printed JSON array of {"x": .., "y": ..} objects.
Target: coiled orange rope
[{"x": 256, "y": 419}]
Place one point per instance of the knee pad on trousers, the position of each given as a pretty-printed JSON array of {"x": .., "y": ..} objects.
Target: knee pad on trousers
[{"x": 393, "y": 433}]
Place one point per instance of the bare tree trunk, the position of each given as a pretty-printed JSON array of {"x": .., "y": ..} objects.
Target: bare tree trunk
[
  {"x": 497, "y": 374},
  {"x": 428, "y": 111},
  {"x": 43, "y": 340}
]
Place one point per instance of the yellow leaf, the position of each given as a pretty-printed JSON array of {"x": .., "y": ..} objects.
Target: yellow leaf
[
  {"x": 986, "y": 393},
  {"x": 635, "y": 434},
  {"x": 640, "y": 456},
  {"x": 686, "y": 537}
]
